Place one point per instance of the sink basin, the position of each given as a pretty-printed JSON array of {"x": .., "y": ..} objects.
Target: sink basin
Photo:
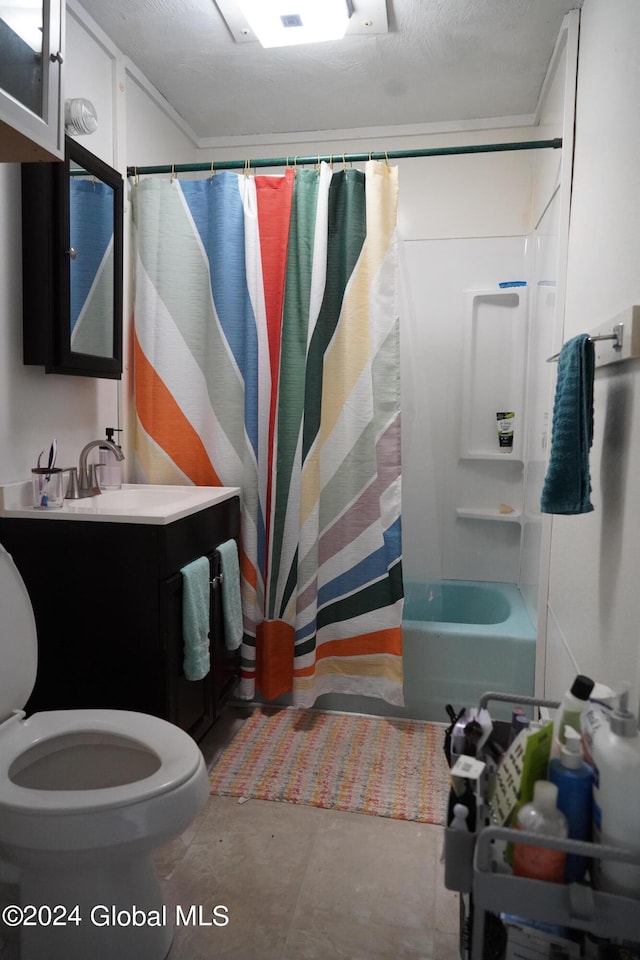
[
  {"x": 137, "y": 497},
  {"x": 133, "y": 503}
]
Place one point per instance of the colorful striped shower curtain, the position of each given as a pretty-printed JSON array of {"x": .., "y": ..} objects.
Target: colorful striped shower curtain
[{"x": 267, "y": 357}]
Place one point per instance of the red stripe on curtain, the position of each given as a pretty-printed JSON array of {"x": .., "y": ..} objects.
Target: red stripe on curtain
[
  {"x": 273, "y": 197},
  {"x": 163, "y": 420}
]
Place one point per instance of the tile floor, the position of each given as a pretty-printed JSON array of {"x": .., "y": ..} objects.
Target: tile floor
[
  {"x": 304, "y": 883},
  {"x": 300, "y": 883}
]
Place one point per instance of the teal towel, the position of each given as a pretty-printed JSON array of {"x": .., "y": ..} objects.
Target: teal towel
[
  {"x": 567, "y": 485},
  {"x": 231, "y": 603},
  {"x": 195, "y": 618}
]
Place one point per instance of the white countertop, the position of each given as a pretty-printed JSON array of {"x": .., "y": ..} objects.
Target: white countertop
[{"x": 133, "y": 503}]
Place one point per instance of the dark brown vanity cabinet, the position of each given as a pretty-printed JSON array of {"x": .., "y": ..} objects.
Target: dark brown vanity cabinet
[{"x": 107, "y": 599}]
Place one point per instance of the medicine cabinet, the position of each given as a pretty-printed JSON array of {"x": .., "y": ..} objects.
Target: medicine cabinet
[
  {"x": 31, "y": 59},
  {"x": 72, "y": 221}
]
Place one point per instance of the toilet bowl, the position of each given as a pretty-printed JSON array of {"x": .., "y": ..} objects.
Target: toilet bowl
[{"x": 86, "y": 796}]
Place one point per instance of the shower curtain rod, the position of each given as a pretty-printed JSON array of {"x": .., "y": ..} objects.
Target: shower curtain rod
[{"x": 212, "y": 166}]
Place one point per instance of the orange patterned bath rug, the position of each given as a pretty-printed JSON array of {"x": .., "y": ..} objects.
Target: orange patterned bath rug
[{"x": 375, "y": 765}]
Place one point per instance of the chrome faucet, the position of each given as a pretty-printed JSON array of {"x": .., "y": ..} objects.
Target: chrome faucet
[{"x": 87, "y": 483}]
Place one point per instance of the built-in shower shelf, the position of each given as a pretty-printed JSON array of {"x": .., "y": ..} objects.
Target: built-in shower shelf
[
  {"x": 493, "y": 369},
  {"x": 488, "y": 455},
  {"x": 487, "y": 513}
]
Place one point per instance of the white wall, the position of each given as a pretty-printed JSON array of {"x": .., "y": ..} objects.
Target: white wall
[
  {"x": 593, "y": 598},
  {"x": 34, "y": 406}
]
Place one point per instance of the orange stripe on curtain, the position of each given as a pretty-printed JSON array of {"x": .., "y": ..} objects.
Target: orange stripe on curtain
[
  {"x": 163, "y": 420},
  {"x": 367, "y": 644},
  {"x": 274, "y": 658}
]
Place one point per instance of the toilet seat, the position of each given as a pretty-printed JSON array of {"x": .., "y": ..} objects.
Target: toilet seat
[{"x": 179, "y": 759}]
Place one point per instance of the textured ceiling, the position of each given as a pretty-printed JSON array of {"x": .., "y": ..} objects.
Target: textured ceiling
[{"x": 442, "y": 60}]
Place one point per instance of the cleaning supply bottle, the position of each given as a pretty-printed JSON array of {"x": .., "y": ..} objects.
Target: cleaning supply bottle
[
  {"x": 460, "y": 814},
  {"x": 541, "y": 816},
  {"x": 616, "y": 817},
  {"x": 109, "y": 468},
  {"x": 573, "y": 705},
  {"x": 574, "y": 780}
]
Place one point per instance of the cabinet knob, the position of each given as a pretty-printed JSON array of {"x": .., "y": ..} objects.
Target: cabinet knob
[
  {"x": 71, "y": 253},
  {"x": 216, "y": 581},
  {"x": 56, "y": 57}
]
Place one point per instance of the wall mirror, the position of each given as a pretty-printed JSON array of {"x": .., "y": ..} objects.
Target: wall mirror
[{"x": 72, "y": 265}]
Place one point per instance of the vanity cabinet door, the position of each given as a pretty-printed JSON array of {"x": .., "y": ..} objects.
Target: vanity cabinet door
[
  {"x": 31, "y": 63},
  {"x": 194, "y": 705},
  {"x": 225, "y": 664},
  {"x": 190, "y": 703}
]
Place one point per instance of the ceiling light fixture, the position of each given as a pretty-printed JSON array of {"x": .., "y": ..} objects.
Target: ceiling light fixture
[{"x": 285, "y": 23}]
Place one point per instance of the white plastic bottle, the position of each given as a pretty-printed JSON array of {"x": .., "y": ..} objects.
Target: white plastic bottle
[
  {"x": 569, "y": 714},
  {"x": 460, "y": 814},
  {"x": 616, "y": 789},
  {"x": 541, "y": 816}
]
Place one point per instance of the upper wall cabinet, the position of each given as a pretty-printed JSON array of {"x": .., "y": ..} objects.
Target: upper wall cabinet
[
  {"x": 72, "y": 215},
  {"x": 31, "y": 58}
]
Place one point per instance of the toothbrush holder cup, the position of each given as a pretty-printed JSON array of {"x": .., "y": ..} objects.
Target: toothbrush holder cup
[{"x": 48, "y": 491}]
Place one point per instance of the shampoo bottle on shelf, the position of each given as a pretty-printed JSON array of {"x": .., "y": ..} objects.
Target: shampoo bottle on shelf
[
  {"x": 569, "y": 714},
  {"x": 574, "y": 780},
  {"x": 616, "y": 789},
  {"x": 541, "y": 816},
  {"x": 109, "y": 468}
]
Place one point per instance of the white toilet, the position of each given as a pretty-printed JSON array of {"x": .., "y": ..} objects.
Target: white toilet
[{"x": 85, "y": 798}]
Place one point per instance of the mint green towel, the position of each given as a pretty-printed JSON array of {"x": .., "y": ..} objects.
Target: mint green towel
[
  {"x": 195, "y": 618},
  {"x": 567, "y": 485},
  {"x": 231, "y": 603}
]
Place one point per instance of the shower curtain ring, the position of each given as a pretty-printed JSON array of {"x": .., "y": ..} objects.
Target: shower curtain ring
[
  {"x": 173, "y": 172},
  {"x": 212, "y": 171}
]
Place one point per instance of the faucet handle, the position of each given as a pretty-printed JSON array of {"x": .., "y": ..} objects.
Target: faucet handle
[
  {"x": 73, "y": 491},
  {"x": 94, "y": 486}
]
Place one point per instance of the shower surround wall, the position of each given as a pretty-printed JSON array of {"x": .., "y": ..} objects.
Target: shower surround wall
[{"x": 438, "y": 274}]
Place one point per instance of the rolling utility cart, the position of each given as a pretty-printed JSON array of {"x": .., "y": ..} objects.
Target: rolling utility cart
[{"x": 476, "y": 869}]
